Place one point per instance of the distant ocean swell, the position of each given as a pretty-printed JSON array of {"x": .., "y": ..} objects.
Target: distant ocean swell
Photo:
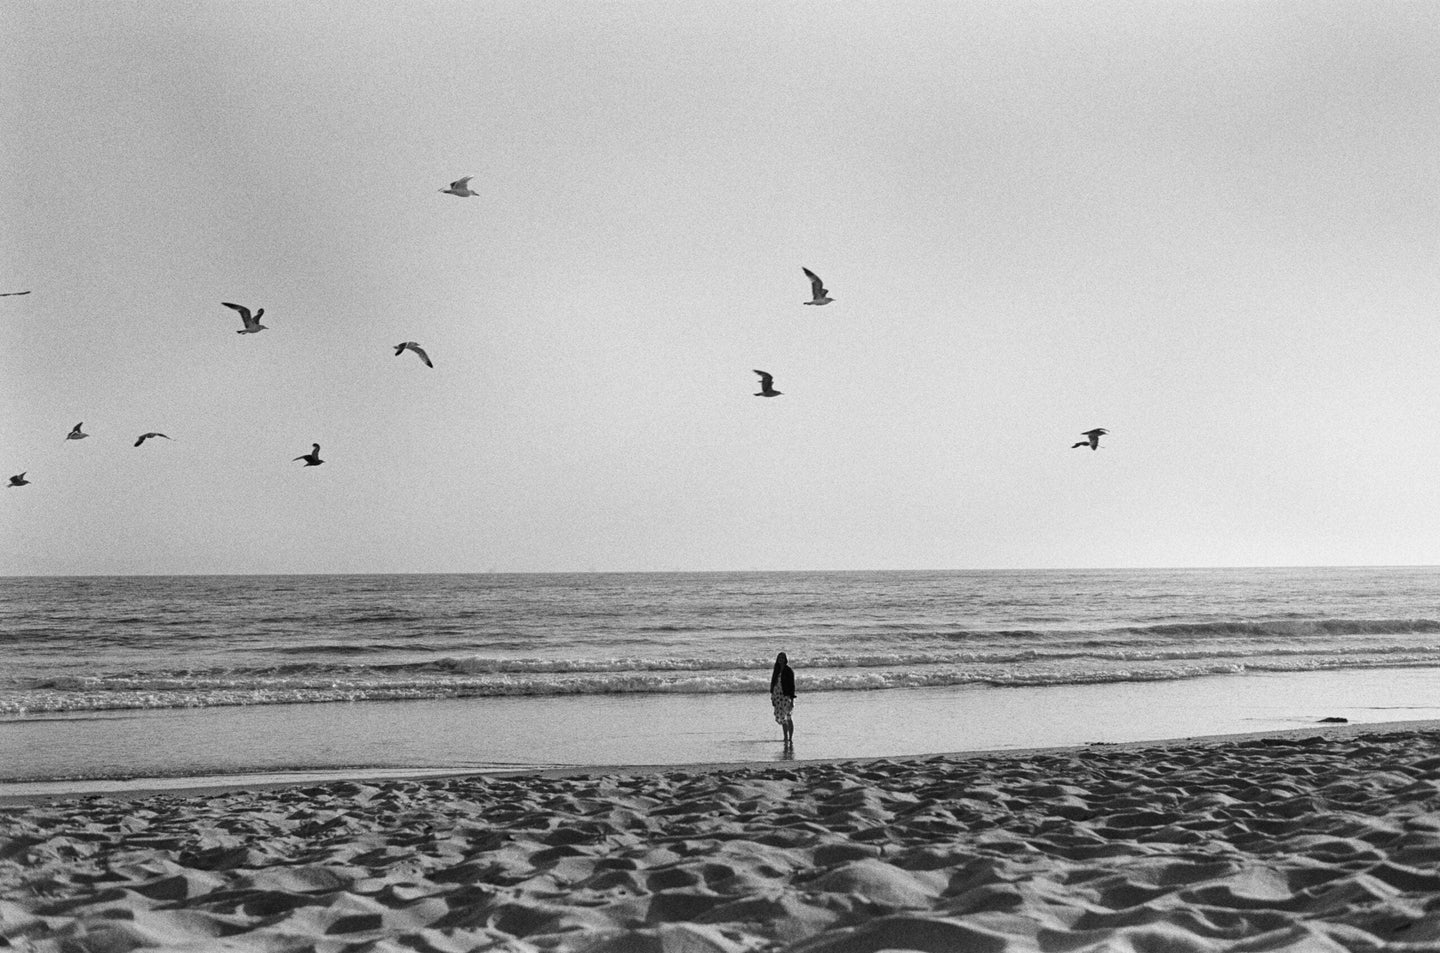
[
  {"x": 1283, "y": 629},
  {"x": 1286, "y": 629},
  {"x": 478, "y": 678}
]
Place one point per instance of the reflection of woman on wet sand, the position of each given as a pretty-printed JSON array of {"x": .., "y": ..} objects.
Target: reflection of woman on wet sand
[{"x": 782, "y": 695}]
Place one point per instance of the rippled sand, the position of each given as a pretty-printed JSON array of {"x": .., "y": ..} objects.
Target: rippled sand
[{"x": 1313, "y": 841}]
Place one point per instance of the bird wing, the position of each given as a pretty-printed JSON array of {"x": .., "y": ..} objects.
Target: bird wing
[
  {"x": 817, "y": 287},
  {"x": 76, "y": 428},
  {"x": 142, "y": 439},
  {"x": 765, "y": 378},
  {"x": 244, "y": 312},
  {"x": 1096, "y": 432},
  {"x": 462, "y": 183},
  {"x": 421, "y": 352},
  {"x": 8, "y": 294}
]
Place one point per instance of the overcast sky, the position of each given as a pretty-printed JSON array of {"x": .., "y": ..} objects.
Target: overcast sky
[{"x": 1211, "y": 228}]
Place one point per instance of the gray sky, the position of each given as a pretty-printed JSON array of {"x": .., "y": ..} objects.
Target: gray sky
[{"x": 1211, "y": 228}]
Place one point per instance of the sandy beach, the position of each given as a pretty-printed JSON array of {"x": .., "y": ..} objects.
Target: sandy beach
[{"x": 1318, "y": 839}]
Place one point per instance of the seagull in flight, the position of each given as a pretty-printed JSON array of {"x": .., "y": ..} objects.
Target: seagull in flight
[
  {"x": 461, "y": 187},
  {"x": 146, "y": 436},
  {"x": 9, "y": 294},
  {"x": 77, "y": 433},
  {"x": 1092, "y": 439},
  {"x": 252, "y": 321},
  {"x": 817, "y": 288},
  {"x": 17, "y": 480},
  {"x": 419, "y": 352},
  {"x": 312, "y": 459},
  {"x": 767, "y": 388}
]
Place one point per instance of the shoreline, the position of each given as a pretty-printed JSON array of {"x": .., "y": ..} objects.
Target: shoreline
[
  {"x": 182, "y": 789},
  {"x": 208, "y": 747}
]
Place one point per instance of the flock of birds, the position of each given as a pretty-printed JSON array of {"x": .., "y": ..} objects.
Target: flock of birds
[
  {"x": 820, "y": 296},
  {"x": 250, "y": 324}
]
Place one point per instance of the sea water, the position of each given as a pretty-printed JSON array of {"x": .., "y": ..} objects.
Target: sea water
[{"x": 289, "y": 676}]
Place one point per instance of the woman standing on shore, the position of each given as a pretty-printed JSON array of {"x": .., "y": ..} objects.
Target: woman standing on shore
[{"x": 782, "y": 695}]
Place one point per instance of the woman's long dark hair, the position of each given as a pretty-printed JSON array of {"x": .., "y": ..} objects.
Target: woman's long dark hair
[{"x": 780, "y": 663}]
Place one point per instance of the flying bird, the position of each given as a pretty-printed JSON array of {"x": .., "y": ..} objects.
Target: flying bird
[
  {"x": 10, "y": 294},
  {"x": 1092, "y": 439},
  {"x": 461, "y": 187},
  {"x": 312, "y": 459},
  {"x": 419, "y": 352},
  {"x": 18, "y": 480},
  {"x": 76, "y": 433},
  {"x": 767, "y": 388},
  {"x": 146, "y": 436},
  {"x": 252, "y": 321},
  {"x": 817, "y": 288}
]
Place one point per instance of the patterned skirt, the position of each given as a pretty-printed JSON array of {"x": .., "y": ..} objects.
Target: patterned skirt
[{"x": 783, "y": 705}]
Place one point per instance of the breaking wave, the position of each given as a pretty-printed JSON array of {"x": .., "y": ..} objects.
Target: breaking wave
[{"x": 1099, "y": 657}]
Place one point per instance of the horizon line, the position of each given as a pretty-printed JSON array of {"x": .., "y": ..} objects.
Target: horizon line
[{"x": 698, "y": 572}]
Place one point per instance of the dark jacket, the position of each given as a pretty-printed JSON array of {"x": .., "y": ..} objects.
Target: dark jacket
[{"x": 787, "y": 682}]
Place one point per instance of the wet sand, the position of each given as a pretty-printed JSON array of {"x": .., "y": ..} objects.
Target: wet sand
[{"x": 248, "y": 744}]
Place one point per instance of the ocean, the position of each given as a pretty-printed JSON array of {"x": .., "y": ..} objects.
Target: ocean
[{"x": 132, "y": 680}]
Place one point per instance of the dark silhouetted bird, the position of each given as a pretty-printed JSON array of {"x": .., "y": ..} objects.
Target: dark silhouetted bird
[
  {"x": 77, "y": 433},
  {"x": 461, "y": 187},
  {"x": 312, "y": 459},
  {"x": 818, "y": 294},
  {"x": 251, "y": 321},
  {"x": 146, "y": 436},
  {"x": 1092, "y": 439},
  {"x": 419, "y": 352},
  {"x": 18, "y": 480},
  {"x": 767, "y": 388}
]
